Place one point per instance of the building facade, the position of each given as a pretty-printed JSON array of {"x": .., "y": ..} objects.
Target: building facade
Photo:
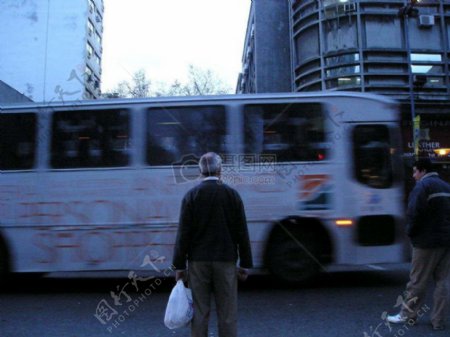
[
  {"x": 380, "y": 46},
  {"x": 267, "y": 51},
  {"x": 52, "y": 50},
  {"x": 11, "y": 95},
  {"x": 398, "y": 48}
]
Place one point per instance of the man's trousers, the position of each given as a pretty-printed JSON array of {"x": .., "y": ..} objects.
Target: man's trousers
[
  {"x": 428, "y": 264},
  {"x": 218, "y": 279}
]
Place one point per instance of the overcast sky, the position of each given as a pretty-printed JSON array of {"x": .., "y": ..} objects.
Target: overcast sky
[{"x": 164, "y": 36}]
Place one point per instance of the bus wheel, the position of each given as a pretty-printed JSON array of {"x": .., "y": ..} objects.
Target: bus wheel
[
  {"x": 4, "y": 263},
  {"x": 292, "y": 258}
]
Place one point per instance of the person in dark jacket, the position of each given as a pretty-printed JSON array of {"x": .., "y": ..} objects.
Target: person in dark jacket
[
  {"x": 212, "y": 236},
  {"x": 428, "y": 227}
]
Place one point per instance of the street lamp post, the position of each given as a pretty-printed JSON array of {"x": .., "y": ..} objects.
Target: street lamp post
[{"x": 405, "y": 13}]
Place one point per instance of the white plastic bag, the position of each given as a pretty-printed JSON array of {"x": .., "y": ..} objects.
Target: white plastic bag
[{"x": 179, "y": 310}]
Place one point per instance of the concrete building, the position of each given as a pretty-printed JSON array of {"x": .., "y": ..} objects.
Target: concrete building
[
  {"x": 267, "y": 51},
  {"x": 398, "y": 48},
  {"x": 10, "y": 95},
  {"x": 52, "y": 50}
]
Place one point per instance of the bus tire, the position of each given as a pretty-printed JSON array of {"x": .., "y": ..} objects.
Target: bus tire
[
  {"x": 291, "y": 256},
  {"x": 4, "y": 262}
]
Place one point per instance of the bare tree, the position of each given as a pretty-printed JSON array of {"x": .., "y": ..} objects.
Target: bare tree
[
  {"x": 200, "y": 82},
  {"x": 138, "y": 87},
  {"x": 203, "y": 82}
]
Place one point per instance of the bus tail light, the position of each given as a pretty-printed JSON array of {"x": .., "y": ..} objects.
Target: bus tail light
[{"x": 344, "y": 222}]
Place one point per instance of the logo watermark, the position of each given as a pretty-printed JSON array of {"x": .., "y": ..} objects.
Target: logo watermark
[
  {"x": 399, "y": 330},
  {"x": 235, "y": 168},
  {"x": 112, "y": 312}
]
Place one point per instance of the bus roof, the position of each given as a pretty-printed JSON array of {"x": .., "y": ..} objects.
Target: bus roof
[{"x": 181, "y": 99}]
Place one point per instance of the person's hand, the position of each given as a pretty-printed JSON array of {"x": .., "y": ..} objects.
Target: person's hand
[
  {"x": 242, "y": 274},
  {"x": 180, "y": 275}
]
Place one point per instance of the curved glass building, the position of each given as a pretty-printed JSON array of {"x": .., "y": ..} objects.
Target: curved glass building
[
  {"x": 398, "y": 48},
  {"x": 393, "y": 47}
]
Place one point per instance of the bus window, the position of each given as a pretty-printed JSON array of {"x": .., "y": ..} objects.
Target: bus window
[
  {"x": 177, "y": 133},
  {"x": 292, "y": 132},
  {"x": 372, "y": 155},
  {"x": 17, "y": 141},
  {"x": 86, "y": 139}
]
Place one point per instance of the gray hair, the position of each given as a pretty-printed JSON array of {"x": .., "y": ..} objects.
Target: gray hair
[{"x": 210, "y": 164}]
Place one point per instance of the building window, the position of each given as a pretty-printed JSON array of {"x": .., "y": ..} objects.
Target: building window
[
  {"x": 96, "y": 83},
  {"x": 343, "y": 71},
  {"x": 91, "y": 6},
  {"x": 90, "y": 28},
  {"x": 88, "y": 94},
  {"x": 97, "y": 59},
  {"x": 86, "y": 139},
  {"x": 423, "y": 65},
  {"x": 435, "y": 81},
  {"x": 349, "y": 81},
  {"x": 334, "y": 8},
  {"x": 90, "y": 50},
  {"x": 98, "y": 17},
  {"x": 17, "y": 141},
  {"x": 98, "y": 38},
  {"x": 88, "y": 74},
  {"x": 178, "y": 134},
  {"x": 340, "y": 59},
  {"x": 426, "y": 69},
  {"x": 416, "y": 57},
  {"x": 342, "y": 82}
]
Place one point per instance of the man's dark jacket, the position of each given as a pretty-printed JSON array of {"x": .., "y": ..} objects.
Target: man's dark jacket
[
  {"x": 212, "y": 226},
  {"x": 428, "y": 213}
]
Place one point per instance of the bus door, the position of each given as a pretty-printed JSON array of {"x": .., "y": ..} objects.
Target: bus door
[{"x": 376, "y": 192}]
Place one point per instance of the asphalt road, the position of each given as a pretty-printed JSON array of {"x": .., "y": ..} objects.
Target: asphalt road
[{"x": 338, "y": 304}]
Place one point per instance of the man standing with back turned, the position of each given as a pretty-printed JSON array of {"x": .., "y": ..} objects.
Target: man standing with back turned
[
  {"x": 212, "y": 236},
  {"x": 428, "y": 227}
]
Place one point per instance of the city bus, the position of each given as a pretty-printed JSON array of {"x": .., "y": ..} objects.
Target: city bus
[{"x": 97, "y": 185}]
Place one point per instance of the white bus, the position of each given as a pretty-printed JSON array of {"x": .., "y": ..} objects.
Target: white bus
[{"x": 97, "y": 185}]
